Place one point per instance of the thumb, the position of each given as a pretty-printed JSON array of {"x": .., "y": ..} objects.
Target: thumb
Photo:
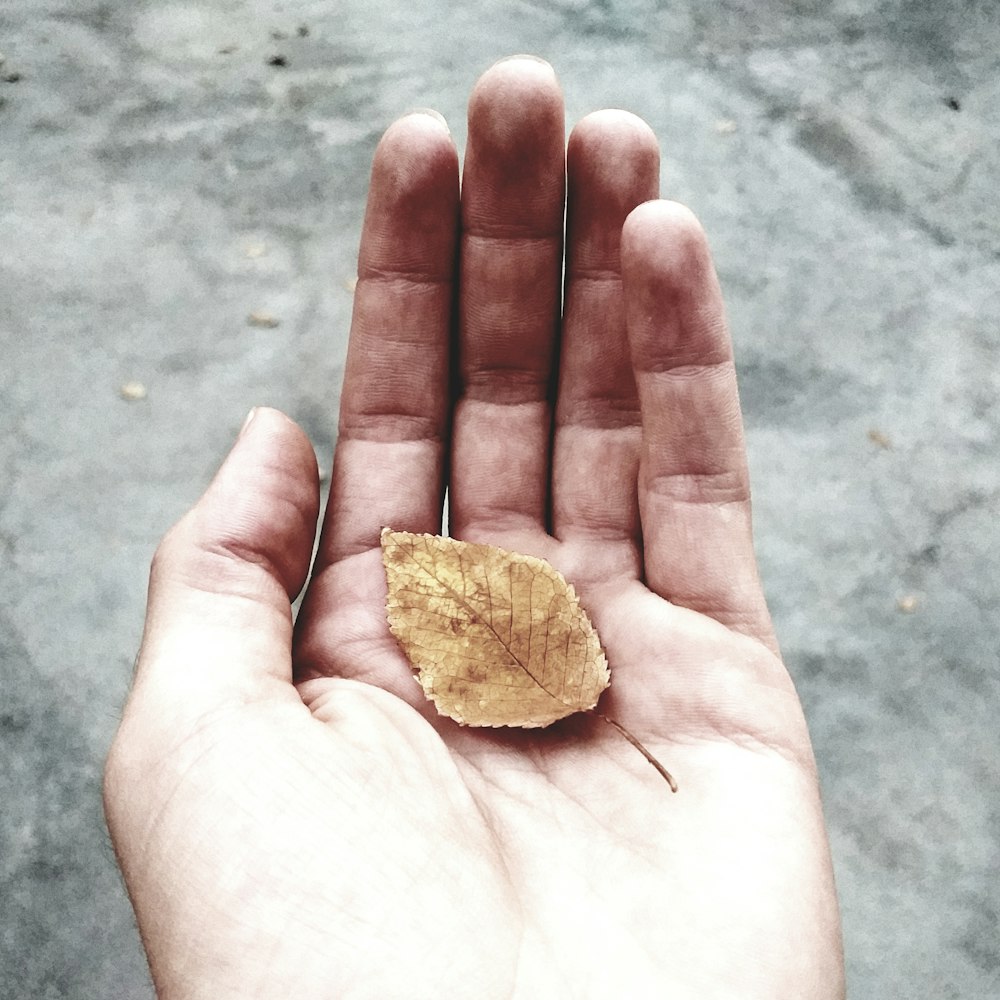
[{"x": 218, "y": 618}]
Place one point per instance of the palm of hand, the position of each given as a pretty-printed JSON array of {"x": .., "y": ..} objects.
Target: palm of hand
[
  {"x": 556, "y": 863},
  {"x": 336, "y": 837}
]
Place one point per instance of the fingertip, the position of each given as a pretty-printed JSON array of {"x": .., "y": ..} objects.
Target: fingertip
[
  {"x": 514, "y": 177},
  {"x": 513, "y": 90},
  {"x": 263, "y": 504},
  {"x": 521, "y": 64},
  {"x": 425, "y": 122},
  {"x": 665, "y": 255},
  {"x": 412, "y": 207},
  {"x": 431, "y": 113},
  {"x": 664, "y": 217},
  {"x": 419, "y": 140},
  {"x": 660, "y": 226},
  {"x": 613, "y": 164},
  {"x": 618, "y": 153},
  {"x": 611, "y": 125},
  {"x": 271, "y": 421},
  {"x": 285, "y": 442}
]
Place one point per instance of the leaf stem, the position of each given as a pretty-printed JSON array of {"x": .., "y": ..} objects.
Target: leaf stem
[{"x": 664, "y": 773}]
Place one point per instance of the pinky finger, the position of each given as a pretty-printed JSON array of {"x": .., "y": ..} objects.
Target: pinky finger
[{"x": 694, "y": 491}]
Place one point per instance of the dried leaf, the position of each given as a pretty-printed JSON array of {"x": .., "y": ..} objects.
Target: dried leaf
[{"x": 497, "y": 638}]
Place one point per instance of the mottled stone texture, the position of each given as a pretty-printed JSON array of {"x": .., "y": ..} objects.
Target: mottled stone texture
[{"x": 161, "y": 179}]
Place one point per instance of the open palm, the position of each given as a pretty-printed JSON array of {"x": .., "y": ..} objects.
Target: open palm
[{"x": 306, "y": 825}]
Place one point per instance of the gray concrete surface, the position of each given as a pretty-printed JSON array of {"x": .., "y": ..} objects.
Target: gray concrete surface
[{"x": 155, "y": 190}]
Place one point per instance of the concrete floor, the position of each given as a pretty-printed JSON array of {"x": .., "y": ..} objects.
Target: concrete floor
[{"x": 160, "y": 180}]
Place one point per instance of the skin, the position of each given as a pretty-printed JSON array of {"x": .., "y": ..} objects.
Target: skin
[{"x": 291, "y": 817}]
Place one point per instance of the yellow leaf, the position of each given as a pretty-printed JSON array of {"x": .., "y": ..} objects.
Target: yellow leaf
[{"x": 497, "y": 638}]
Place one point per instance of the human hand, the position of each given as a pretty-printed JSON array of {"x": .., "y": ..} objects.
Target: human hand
[{"x": 293, "y": 819}]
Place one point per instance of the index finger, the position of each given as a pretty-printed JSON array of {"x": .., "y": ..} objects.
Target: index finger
[{"x": 389, "y": 459}]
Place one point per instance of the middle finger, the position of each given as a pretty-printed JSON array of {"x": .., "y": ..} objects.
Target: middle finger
[{"x": 513, "y": 192}]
